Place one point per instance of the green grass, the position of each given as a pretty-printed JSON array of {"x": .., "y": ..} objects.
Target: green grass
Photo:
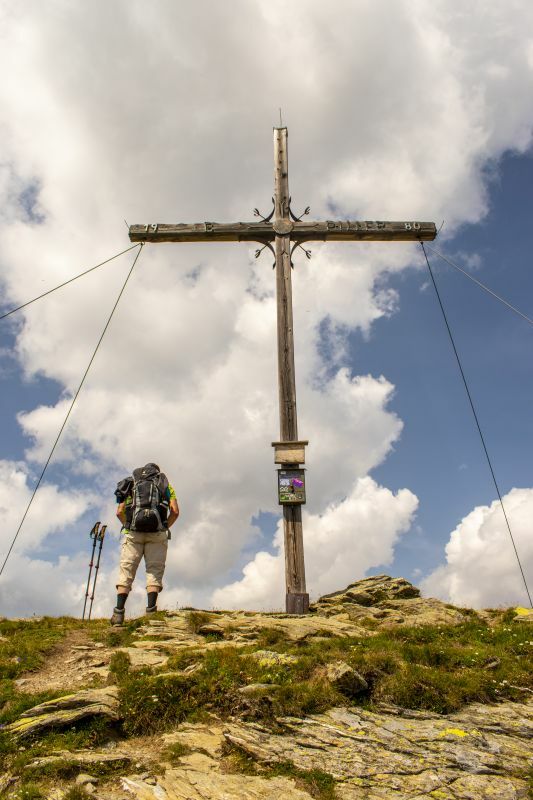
[
  {"x": 119, "y": 665},
  {"x": 195, "y": 620},
  {"x": 181, "y": 660},
  {"x": 13, "y": 703},
  {"x": 439, "y": 668},
  {"x": 28, "y": 791},
  {"x": 236, "y": 760},
  {"x": 432, "y": 667},
  {"x": 120, "y": 636},
  {"x": 152, "y": 703},
  {"x": 16, "y": 755},
  {"x": 15, "y": 758},
  {"x": 64, "y": 768},
  {"x": 174, "y": 752},
  {"x": 27, "y": 642},
  {"x": 268, "y": 637},
  {"x": 8, "y": 747},
  {"x": 76, "y": 793},
  {"x": 87, "y": 733},
  {"x": 319, "y": 784},
  {"x": 68, "y": 768}
]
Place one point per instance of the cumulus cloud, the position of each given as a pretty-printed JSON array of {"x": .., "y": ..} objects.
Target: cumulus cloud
[
  {"x": 393, "y": 110},
  {"x": 341, "y": 543},
  {"x": 481, "y": 567},
  {"x": 32, "y": 583},
  {"x": 51, "y": 511}
]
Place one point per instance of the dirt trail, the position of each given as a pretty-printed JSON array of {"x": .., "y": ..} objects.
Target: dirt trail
[{"x": 74, "y": 661}]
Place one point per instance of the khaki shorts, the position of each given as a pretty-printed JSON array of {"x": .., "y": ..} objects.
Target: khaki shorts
[{"x": 135, "y": 545}]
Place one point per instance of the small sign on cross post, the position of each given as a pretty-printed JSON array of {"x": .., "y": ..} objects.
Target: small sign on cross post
[{"x": 287, "y": 232}]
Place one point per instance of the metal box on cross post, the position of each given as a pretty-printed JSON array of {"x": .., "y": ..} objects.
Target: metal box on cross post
[{"x": 291, "y": 477}]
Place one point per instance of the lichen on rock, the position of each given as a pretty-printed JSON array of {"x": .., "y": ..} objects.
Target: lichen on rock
[{"x": 67, "y": 710}]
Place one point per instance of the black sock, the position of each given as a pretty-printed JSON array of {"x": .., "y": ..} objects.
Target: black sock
[
  {"x": 121, "y": 601},
  {"x": 152, "y": 599}
]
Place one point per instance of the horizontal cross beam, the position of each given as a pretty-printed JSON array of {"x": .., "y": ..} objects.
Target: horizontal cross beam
[{"x": 307, "y": 231}]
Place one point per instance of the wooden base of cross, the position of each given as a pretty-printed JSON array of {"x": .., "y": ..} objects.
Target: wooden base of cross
[
  {"x": 276, "y": 232},
  {"x": 297, "y": 603},
  {"x": 296, "y": 598}
]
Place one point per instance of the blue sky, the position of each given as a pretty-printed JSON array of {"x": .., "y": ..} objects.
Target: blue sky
[
  {"x": 440, "y": 455},
  {"x": 186, "y": 376}
]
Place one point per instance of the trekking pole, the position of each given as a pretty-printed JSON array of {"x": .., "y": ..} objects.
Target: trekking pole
[
  {"x": 100, "y": 536},
  {"x": 93, "y": 534}
]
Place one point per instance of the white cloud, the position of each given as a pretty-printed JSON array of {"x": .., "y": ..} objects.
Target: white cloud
[
  {"x": 394, "y": 111},
  {"x": 31, "y": 584},
  {"x": 341, "y": 543},
  {"x": 481, "y": 567},
  {"x": 51, "y": 510}
]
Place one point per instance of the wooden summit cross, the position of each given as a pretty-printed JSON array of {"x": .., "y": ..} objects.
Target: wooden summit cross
[{"x": 282, "y": 227}]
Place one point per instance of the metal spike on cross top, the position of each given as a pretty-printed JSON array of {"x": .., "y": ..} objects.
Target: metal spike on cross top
[{"x": 282, "y": 232}]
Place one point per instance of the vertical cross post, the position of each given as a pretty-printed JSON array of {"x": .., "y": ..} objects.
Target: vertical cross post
[{"x": 297, "y": 599}]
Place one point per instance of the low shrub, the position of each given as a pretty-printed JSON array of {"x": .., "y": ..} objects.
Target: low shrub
[
  {"x": 196, "y": 619},
  {"x": 119, "y": 665},
  {"x": 306, "y": 697},
  {"x": 120, "y": 636},
  {"x": 316, "y": 782},
  {"x": 30, "y": 791},
  {"x": 175, "y": 751},
  {"x": 269, "y": 637},
  {"x": 76, "y": 793},
  {"x": 182, "y": 660}
]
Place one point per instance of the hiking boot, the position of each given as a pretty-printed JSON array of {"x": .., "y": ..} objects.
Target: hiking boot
[
  {"x": 151, "y": 609},
  {"x": 118, "y": 616}
]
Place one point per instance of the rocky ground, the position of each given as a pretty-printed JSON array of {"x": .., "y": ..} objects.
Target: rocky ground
[{"x": 245, "y": 746}]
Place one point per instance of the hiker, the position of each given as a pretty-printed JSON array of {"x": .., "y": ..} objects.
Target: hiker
[{"x": 147, "y": 508}]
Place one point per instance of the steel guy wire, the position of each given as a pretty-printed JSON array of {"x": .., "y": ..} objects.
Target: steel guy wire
[
  {"x": 477, "y": 422},
  {"x": 75, "y": 278},
  {"x": 41, "y": 476},
  {"x": 482, "y": 285}
]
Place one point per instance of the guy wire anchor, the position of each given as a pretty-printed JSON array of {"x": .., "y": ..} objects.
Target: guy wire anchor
[{"x": 97, "y": 534}]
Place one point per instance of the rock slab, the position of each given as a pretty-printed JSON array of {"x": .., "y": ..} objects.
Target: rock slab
[
  {"x": 346, "y": 679},
  {"x": 66, "y": 710},
  {"x": 480, "y": 752}
]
